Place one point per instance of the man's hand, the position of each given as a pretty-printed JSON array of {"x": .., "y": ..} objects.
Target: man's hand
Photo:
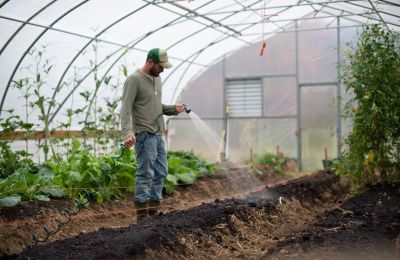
[
  {"x": 130, "y": 141},
  {"x": 179, "y": 108}
]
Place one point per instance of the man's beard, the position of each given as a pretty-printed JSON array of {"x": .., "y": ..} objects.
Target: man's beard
[{"x": 153, "y": 72}]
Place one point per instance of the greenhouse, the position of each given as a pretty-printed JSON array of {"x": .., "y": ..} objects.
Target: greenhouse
[{"x": 198, "y": 129}]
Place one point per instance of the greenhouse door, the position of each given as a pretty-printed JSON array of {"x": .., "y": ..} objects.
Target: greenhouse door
[{"x": 318, "y": 124}]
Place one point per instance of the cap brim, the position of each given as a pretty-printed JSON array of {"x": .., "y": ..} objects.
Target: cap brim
[{"x": 166, "y": 65}]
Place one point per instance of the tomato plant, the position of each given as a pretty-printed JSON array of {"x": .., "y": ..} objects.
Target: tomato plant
[{"x": 371, "y": 74}]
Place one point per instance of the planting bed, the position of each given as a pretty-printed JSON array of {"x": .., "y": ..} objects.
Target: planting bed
[
  {"x": 307, "y": 218},
  {"x": 19, "y": 223}
]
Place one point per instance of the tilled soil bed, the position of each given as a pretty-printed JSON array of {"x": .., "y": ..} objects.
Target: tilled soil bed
[
  {"x": 19, "y": 223},
  {"x": 307, "y": 218}
]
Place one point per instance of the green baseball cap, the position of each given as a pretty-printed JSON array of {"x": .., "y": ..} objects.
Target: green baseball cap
[{"x": 159, "y": 56}]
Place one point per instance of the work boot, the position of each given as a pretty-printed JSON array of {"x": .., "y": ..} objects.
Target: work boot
[
  {"x": 142, "y": 211},
  {"x": 154, "y": 207}
]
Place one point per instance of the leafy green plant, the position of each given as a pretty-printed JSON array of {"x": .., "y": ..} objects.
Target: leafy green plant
[
  {"x": 102, "y": 178},
  {"x": 24, "y": 87},
  {"x": 110, "y": 117},
  {"x": 371, "y": 74},
  {"x": 277, "y": 162},
  {"x": 40, "y": 72},
  {"x": 23, "y": 184},
  {"x": 11, "y": 161},
  {"x": 186, "y": 168}
]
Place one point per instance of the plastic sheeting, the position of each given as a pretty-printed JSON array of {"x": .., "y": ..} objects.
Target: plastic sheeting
[
  {"x": 89, "y": 41},
  {"x": 317, "y": 81},
  {"x": 279, "y": 96},
  {"x": 261, "y": 136},
  {"x": 318, "y": 125}
]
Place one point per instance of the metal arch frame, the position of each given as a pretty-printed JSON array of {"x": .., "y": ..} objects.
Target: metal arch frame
[
  {"x": 171, "y": 23},
  {"x": 365, "y": 7},
  {"x": 132, "y": 46},
  {"x": 210, "y": 26},
  {"x": 373, "y": 9},
  {"x": 258, "y": 14},
  {"x": 4, "y": 2},
  {"x": 56, "y": 30},
  {"x": 328, "y": 4},
  {"x": 218, "y": 21},
  {"x": 205, "y": 17},
  {"x": 199, "y": 52},
  {"x": 180, "y": 16},
  {"x": 212, "y": 43},
  {"x": 284, "y": 6},
  {"x": 292, "y": 21},
  {"x": 379, "y": 14},
  {"x": 363, "y": 15},
  {"x": 23, "y": 25},
  {"x": 79, "y": 35},
  {"x": 389, "y": 3},
  {"x": 184, "y": 38},
  {"x": 301, "y": 18},
  {"x": 325, "y": 4},
  {"x": 86, "y": 45},
  {"x": 30, "y": 46}
]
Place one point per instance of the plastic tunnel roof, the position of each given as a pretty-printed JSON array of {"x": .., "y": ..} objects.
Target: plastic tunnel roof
[{"x": 88, "y": 43}]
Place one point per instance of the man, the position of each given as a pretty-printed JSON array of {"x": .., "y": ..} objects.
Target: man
[{"x": 142, "y": 125}]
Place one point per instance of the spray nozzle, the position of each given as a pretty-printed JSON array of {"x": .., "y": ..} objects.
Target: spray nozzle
[{"x": 187, "y": 110}]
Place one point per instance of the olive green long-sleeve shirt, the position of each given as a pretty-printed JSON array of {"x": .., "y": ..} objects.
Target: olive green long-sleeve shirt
[{"x": 141, "y": 105}]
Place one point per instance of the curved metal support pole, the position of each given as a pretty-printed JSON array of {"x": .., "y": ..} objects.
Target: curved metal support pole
[
  {"x": 132, "y": 46},
  {"x": 379, "y": 14},
  {"x": 4, "y": 2},
  {"x": 23, "y": 25},
  {"x": 85, "y": 46},
  {"x": 113, "y": 64},
  {"x": 30, "y": 46},
  {"x": 198, "y": 53}
]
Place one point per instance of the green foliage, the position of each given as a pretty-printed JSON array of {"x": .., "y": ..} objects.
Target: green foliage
[
  {"x": 372, "y": 75},
  {"x": 10, "y": 201},
  {"x": 102, "y": 178},
  {"x": 25, "y": 185},
  {"x": 84, "y": 176},
  {"x": 185, "y": 168},
  {"x": 11, "y": 161},
  {"x": 270, "y": 159},
  {"x": 40, "y": 73}
]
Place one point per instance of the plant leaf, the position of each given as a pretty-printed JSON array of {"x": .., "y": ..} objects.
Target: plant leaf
[
  {"x": 10, "y": 201},
  {"x": 41, "y": 197}
]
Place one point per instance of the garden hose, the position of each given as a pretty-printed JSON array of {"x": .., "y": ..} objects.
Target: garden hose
[{"x": 49, "y": 231}]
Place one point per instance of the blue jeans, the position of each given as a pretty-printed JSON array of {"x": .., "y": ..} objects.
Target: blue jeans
[{"x": 152, "y": 167}]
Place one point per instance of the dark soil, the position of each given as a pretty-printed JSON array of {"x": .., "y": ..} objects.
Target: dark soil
[
  {"x": 163, "y": 231},
  {"x": 364, "y": 226},
  {"x": 367, "y": 226},
  {"x": 29, "y": 209},
  {"x": 19, "y": 223}
]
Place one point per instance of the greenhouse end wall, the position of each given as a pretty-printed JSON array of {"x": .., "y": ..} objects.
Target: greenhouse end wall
[{"x": 294, "y": 119}]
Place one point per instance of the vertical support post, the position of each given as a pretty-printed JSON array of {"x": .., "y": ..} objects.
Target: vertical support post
[
  {"x": 339, "y": 96},
  {"x": 298, "y": 100},
  {"x": 226, "y": 113}
]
